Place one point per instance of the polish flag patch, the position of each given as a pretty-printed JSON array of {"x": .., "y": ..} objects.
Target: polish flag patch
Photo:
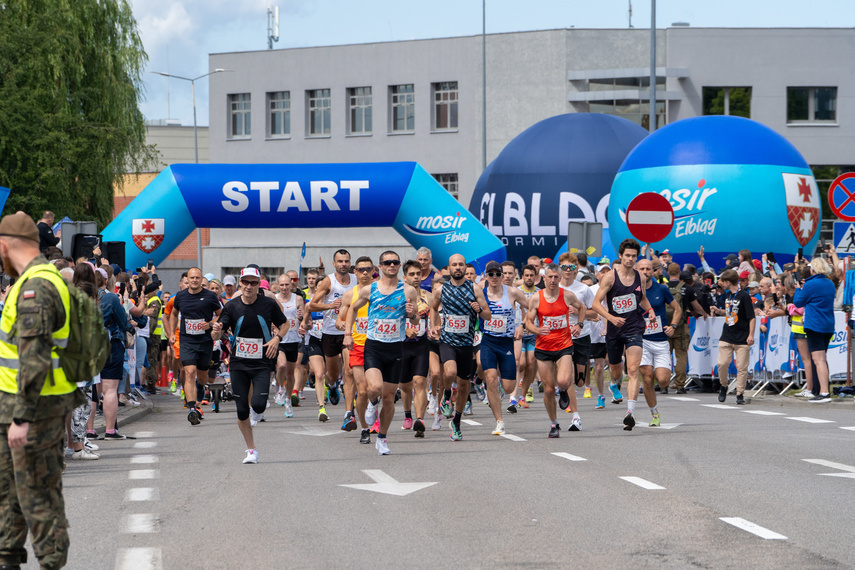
[{"x": 29, "y": 294}]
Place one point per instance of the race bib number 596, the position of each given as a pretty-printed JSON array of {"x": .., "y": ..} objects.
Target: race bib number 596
[{"x": 624, "y": 304}]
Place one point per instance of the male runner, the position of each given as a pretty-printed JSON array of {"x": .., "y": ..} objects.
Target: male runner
[
  {"x": 656, "y": 353},
  {"x": 286, "y": 362},
  {"x": 461, "y": 302},
  {"x": 414, "y": 366},
  {"x": 196, "y": 308},
  {"x": 526, "y": 363},
  {"x": 254, "y": 350},
  {"x": 622, "y": 291},
  {"x": 302, "y": 372},
  {"x": 569, "y": 265},
  {"x": 424, "y": 257},
  {"x": 497, "y": 342},
  {"x": 537, "y": 263},
  {"x": 554, "y": 345},
  {"x": 390, "y": 302},
  {"x": 328, "y": 298},
  {"x": 355, "y": 326},
  {"x": 598, "y": 346}
]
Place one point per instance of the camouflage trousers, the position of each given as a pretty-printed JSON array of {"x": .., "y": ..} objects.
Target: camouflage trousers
[
  {"x": 153, "y": 362},
  {"x": 31, "y": 495}
]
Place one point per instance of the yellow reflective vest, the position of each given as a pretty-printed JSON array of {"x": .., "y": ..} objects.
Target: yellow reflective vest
[
  {"x": 56, "y": 382},
  {"x": 155, "y": 332}
]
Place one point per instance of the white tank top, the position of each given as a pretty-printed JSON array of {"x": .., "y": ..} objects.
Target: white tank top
[
  {"x": 289, "y": 308},
  {"x": 337, "y": 291}
]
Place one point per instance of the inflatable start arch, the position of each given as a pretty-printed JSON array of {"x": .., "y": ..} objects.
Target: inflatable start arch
[{"x": 401, "y": 195}]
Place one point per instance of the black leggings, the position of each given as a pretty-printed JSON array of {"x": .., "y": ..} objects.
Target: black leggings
[{"x": 241, "y": 381}]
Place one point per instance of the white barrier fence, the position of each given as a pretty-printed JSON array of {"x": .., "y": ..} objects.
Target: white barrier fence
[{"x": 774, "y": 350}]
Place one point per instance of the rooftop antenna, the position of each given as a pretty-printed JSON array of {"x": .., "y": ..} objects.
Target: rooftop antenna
[
  {"x": 629, "y": 13},
  {"x": 272, "y": 26}
]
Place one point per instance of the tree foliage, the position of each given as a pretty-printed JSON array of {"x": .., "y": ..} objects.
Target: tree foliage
[{"x": 70, "y": 125}]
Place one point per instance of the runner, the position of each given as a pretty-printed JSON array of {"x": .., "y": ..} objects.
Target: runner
[
  {"x": 250, "y": 318},
  {"x": 461, "y": 302},
  {"x": 196, "y": 308},
  {"x": 526, "y": 363},
  {"x": 390, "y": 302},
  {"x": 302, "y": 373},
  {"x": 656, "y": 353},
  {"x": 414, "y": 366},
  {"x": 354, "y": 326},
  {"x": 554, "y": 345},
  {"x": 328, "y": 298},
  {"x": 497, "y": 342},
  {"x": 425, "y": 258},
  {"x": 286, "y": 361},
  {"x": 622, "y": 291},
  {"x": 598, "y": 341},
  {"x": 569, "y": 265}
]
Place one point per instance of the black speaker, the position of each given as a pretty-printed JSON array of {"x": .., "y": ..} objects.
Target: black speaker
[
  {"x": 114, "y": 251},
  {"x": 83, "y": 244}
]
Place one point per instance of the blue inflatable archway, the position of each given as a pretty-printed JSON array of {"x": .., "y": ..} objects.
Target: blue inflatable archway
[{"x": 398, "y": 194}]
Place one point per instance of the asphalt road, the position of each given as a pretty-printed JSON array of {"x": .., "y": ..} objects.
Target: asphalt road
[{"x": 179, "y": 496}]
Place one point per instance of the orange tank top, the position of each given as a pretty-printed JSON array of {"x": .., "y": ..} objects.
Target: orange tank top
[{"x": 554, "y": 317}]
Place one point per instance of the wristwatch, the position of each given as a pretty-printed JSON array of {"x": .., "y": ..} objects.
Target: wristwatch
[{"x": 19, "y": 421}]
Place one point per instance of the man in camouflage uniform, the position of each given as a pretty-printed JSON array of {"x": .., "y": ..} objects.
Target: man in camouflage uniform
[
  {"x": 154, "y": 313},
  {"x": 32, "y": 424}
]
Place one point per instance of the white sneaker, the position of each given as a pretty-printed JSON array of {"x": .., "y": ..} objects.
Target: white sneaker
[
  {"x": 431, "y": 409},
  {"x": 251, "y": 456},
  {"x": 371, "y": 413},
  {"x": 89, "y": 445},
  {"x": 576, "y": 425},
  {"x": 134, "y": 402},
  {"x": 500, "y": 428},
  {"x": 84, "y": 454},
  {"x": 805, "y": 394},
  {"x": 69, "y": 451},
  {"x": 289, "y": 411},
  {"x": 382, "y": 448},
  {"x": 280, "y": 398},
  {"x": 437, "y": 422},
  {"x": 254, "y": 418}
]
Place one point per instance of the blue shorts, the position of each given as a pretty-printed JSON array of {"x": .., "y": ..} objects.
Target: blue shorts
[
  {"x": 528, "y": 343},
  {"x": 498, "y": 353}
]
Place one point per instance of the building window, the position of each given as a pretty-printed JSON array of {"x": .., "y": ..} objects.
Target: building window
[
  {"x": 449, "y": 182},
  {"x": 319, "y": 112},
  {"x": 633, "y": 105},
  {"x": 240, "y": 115},
  {"x": 445, "y": 106},
  {"x": 811, "y": 104},
  {"x": 734, "y": 101},
  {"x": 360, "y": 116},
  {"x": 403, "y": 108},
  {"x": 635, "y": 110},
  {"x": 279, "y": 114}
]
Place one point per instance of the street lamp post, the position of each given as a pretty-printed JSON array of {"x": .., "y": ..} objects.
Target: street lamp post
[{"x": 195, "y": 137}]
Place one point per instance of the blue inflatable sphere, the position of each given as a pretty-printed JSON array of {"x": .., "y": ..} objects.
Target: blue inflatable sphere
[
  {"x": 733, "y": 183},
  {"x": 558, "y": 170}
]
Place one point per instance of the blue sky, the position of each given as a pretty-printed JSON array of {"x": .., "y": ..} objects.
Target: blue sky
[{"x": 178, "y": 35}]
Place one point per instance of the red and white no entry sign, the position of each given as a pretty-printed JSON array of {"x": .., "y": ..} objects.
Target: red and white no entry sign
[{"x": 649, "y": 217}]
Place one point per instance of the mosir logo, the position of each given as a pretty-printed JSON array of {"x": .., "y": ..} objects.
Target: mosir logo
[
  {"x": 689, "y": 209},
  {"x": 437, "y": 226}
]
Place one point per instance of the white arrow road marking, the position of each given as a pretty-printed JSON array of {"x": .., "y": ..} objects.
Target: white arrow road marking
[
  {"x": 387, "y": 484},
  {"x": 512, "y": 437},
  {"x": 810, "y": 420},
  {"x": 313, "y": 432},
  {"x": 139, "y": 559},
  {"x": 661, "y": 426},
  {"x": 643, "y": 483},
  {"x": 568, "y": 456},
  {"x": 753, "y": 528},
  {"x": 762, "y": 412},
  {"x": 850, "y": 471},
  {"x": 850, "y": 428}
]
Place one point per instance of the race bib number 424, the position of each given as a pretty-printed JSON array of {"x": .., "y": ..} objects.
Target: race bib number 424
[{"x": 387, "y": 329}]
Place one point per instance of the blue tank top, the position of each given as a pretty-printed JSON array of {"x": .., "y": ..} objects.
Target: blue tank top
[
  {"x": 502, "y": 322},
  {"x": 458, "y": 326},
  {"x": 386, "y": 314}
]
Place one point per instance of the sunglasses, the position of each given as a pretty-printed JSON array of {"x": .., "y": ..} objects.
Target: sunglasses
[
  {"x": 569, "y": 267},
  {"x": 295, "y": 279},
  {"x": 250, "y": 283},
  {"x": 493, "y": 274},
  {"x": 391, "y": 262},
  {"x": 363, "y": 269}
]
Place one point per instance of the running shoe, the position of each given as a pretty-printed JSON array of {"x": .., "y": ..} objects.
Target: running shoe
[
  {"x": 253, "y": 418},
  {"x": 554, "y": 431},
  {"x": 322, "y": 414},
  {"x": 192, "y": 416},
  {"x": 540, "y": 386},
  {"x": 655, "y": 421},
  {"x": 382, "y": 448},
  {"x": 587, "y": 393},
  {"x": 289, "y": 410},
  {"x": 334, "y": 395},
  {"x": 302, "y": 396},
  {"x": 280, "y": 397},
  {"x": 805, "y": 394},
  {"x": 365, "y": 437},
  {"x": 479, "y": 389},
  {"x": 431, "y": 409},
  {"x": 467, "y": 410},
  {"x": 820, "y": 399},
  {"x": 375, "y": 427},
  {"x": 524, "y": 404},
  {"x": 173, "y": 386},
  {"x": 372, "y": 412},
  {"x": 563, "y": 399},
  {"x": 601, "y": 402},
  {"x": 437, "y": 423},
  {"x": 251, "y": 456},
  {"x": 722, "y": 394},
  {"x": 349, "y": 422},
  {"x": 740, "y": 400},
  {"x": 115, "y": 435},
  {"x": 397, "y": 396},
  {"x": 408, "y": 423},
  {"x": 84, "y": 454},
  {"x": 628, "y": 422},
  {"x": 617, "y": 397},
  {"x": 418, "y": 428},
  {"x": 445, "y": 408},
  {"x": 295, "y": 399},
  {"x": 575, "y": 425},
  {"x": 500, "y": 428},
  {"x": 529, "y": 395},
  {"x": 456, "y": 434},
  {"x": 512, "y": 408},
  {"x": 664, "y": 390},
  {"x": 202, "y": 415}
]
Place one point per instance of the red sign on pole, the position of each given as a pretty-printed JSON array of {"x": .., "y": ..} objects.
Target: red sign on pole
[{"x": 649, "y": 217}]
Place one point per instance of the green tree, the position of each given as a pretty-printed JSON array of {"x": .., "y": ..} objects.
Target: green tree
[{"x": 70, "y": 125}]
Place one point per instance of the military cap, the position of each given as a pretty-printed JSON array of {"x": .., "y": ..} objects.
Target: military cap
[{"x": 19, "y": 225}]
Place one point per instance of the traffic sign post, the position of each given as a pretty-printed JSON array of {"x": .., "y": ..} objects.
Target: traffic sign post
[
  {"x": 841, "y": 197},
  {"x": 649, "y": 217}
]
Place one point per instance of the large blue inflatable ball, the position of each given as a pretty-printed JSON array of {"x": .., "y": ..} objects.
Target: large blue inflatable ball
[
  {"x": 733, "y": 183},
  {"x": 558, "y": 170}
]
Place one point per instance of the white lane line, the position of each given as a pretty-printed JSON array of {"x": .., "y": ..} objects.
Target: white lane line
[
  {"x": 143, "y": 523},
  {"x": 143, "y": 474},
  {"x": 512, "y": 437},
  {"x": 144, "y": 459},
  {"x": 831, "y": 464},
  {"x": 684, "y": 399},
  {"x": 144, "y": 434},
  {"x": 643, "y": 483},
  {"x": 810, "y": 420},
  {"x": 720, "y": 406},
  {"x": 568, "y": 456},
  {"x": 762, "y": 412},
  {"x": 139, "y": 559},
  {"x": 661, "y": 426},
  {"x": 470, "y": 422},
  {"x": 749, "y": 526},
  {"x": 142, "y": 494},
  {"x": 850, "y": 428},
  {"x": 145, "y": 444}
]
